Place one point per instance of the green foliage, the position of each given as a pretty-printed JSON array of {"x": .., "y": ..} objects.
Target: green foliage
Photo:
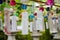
[
  {"x": 19, "y": 36},
  {"x": 46, "y": 35},
  {"x": 2, "y": 35}
]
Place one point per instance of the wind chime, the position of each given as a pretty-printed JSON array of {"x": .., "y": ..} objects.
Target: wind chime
[
  {"x": 7, "y": 28},
  {"x": 7, "y": 20},
  {"x": 14, "y": 24},
  {"x": 53, "y": 29},
  {"x": 24, "y": 19},
  {"x": 12, "y": 2},
  {"x": 50, "y": 3},
  {"x": 31, "y": 17},
  {"x": 40, "y": 22}
]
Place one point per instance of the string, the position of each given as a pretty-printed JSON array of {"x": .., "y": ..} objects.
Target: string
[
  {"x": 6, "y": 2},
  {"x": 33, "y": 7}
]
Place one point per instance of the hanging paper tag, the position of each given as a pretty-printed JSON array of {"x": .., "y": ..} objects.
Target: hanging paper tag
[
  {"x": 52, "y": 26},
  {"x": 39, "y": 25},
  {"x": 7, "y": 21},
  {"x": 24, "y": 23},
  {"x": 31, "y": 23},
  {"x": 53, "y": 21},
  {"x": 39, "y": 22},
  {"x": 34, "y": 25},
  {"x": 14, "y": 24},
  {"x": 39, "y": 14}
]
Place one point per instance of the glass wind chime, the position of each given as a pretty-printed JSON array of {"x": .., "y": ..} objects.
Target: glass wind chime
[
  {"x": 53, "y": 29},
  {"x": 7, "y": 27},
  {"x": 24, "y": 19},
  {"x": 50, "y": 3},
  {"x": 31, "y": 17},
  {"x": 14, "y": 19},
  {"x": 12, "y": 2},
  {"x": 38, "y": 14},
  {"x": 40, "y": 19}
]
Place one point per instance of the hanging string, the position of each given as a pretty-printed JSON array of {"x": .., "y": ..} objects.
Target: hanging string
[
  {"x": 32, "y": 8},
  {"x": 6, "y": 2}
]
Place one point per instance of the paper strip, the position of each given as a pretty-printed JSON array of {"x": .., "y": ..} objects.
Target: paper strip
[
  {"x": 14, "y": 24},
  {"x": 25, "y": 23}
]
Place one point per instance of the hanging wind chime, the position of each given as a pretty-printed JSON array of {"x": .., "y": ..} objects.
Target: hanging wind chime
[
  {"x": 1, "y": 1},
  {"x": 24, "y": 19},
  {"x": 12, "y": 2},
  {"x": 7, "y": 20},
  {"x": 14, "y": 23},
  {"x": 50, "y": 3}
]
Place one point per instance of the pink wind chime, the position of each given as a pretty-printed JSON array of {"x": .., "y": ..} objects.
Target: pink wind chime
[
  {"x": 50, "y": 3},
  {"x": 12, "y": 2}
]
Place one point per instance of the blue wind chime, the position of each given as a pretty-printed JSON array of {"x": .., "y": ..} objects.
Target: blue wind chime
[{"x": 1, "y": 1}]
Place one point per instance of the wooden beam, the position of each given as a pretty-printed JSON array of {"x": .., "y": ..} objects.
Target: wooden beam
[{"x": 31, "y": 5}]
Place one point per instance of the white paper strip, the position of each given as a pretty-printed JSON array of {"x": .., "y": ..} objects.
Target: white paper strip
[
  {"x": 59, "y": 22},
  {"x": 7, "y": 19},
  {"x": 53, "y": 27},
  {"x": 39, "y": 14},
  {"x": 53, "y": 21},
  {"x": 31, "y": 23},
  {"x": 39, "y": 25},
  {"x": 39, "y": 22},
  {"x": 14, "y": 24},
  {"x": 24, "y": 23},
  {"x": 34, "y": 26}
]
